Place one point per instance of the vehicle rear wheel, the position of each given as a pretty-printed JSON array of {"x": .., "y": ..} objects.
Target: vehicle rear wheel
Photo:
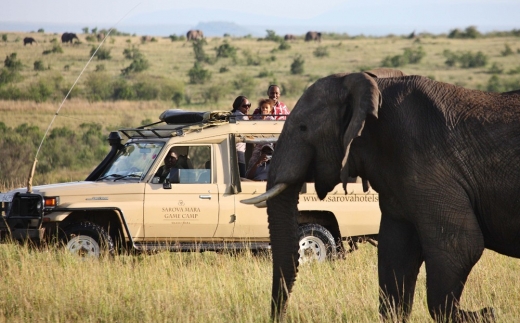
[
  {"x": 88, "y": 240},
  {"x": 316, "y": 243}
]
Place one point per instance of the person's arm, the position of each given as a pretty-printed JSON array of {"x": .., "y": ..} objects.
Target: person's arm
[{"x": 250, "y": 174}]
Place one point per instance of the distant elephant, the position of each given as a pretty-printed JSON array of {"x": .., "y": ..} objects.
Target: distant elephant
[
  {"x": 146, "y": 39},
  {"x": 68, "y": 37},
  {"x": 28, "y": 40},
  {"x": 289, "y": 37},
  {"x": 194, "y": 34},
  {"x": 100, "y": 36},
  {"x": 445, "y": 161},
  {"x": 313, "y": 35}
]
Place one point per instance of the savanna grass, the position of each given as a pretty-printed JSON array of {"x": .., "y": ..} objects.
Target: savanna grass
[{"x": 49, "y": 285}]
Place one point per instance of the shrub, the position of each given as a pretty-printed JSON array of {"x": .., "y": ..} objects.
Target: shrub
[
  {"x": 198, "y": 75},
  {"x": 495, "y": 84},
  {"x": 271, "y": 35},
  {"x": 297, "y": 65},
  {"x": 38, "y": 65},
  {"x": 138, "y": 65},
  {"x": 409, "y": 56},
  {"x": 470, "y": 60},
  {"x": 465, "y": 59},
  {"x": 98, "y": 87},
  {"x": 7, "y": 76},
  {"x": 284, "y": 45},
  {"x": 146, "y": 90},
  {"x": 511, "y": 71},
  {"x": 100, "y": 67},
  {"x": 122, "y": 90},
  {"x": 12, "y": 63},
  {"x": 40, "y": 92},
  {"x": 223, "y": 69},
  {"x": 496, "y": 69},
  {"x": 4, "y": 38},
  {"x": 91, "y": 38},
  {"x": 265, "y": 73},
  {"x": 132, "y": 53},
  {"x": 470, "y": 32},
  {"x": 102, "y": 52},
  {"x": 507, "y": 50},
  {"x": 198, "y": 49},
  {"x": 226, "y": 50},
  {"x": 321, "y": 51},
  {"x": 56, "y": 49}
]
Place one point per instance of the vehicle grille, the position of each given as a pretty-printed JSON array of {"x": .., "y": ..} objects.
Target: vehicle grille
[{"x": 25, "y": 205}]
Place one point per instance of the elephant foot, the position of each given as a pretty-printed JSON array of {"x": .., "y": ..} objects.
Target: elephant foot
[{"x": 485, "y": 315}]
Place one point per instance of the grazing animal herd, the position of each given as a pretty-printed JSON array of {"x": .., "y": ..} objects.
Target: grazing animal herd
[{"x": 193, "y": 34}]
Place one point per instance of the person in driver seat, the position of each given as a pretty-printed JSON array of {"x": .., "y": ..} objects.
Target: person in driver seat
[{"x": 172, "y": 160}]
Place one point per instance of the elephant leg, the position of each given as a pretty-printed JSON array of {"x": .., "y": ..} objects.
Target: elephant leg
[
  {"x": 452, "y": 245},
  {"x": 399, "y": 261}
]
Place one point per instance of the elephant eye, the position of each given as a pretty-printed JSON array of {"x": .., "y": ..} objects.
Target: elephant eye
[{"x": 303, "y": 127}]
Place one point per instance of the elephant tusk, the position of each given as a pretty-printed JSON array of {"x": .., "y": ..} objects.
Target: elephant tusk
[
  {"x": 261, "y": 204},
  {"x": 275, "y": 190}
]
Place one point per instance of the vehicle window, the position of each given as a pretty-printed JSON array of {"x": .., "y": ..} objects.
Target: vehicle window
[{"x": 185, "y": 165}]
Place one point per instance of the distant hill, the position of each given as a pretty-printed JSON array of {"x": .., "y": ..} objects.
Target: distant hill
[{"x": 212, "y": 29}]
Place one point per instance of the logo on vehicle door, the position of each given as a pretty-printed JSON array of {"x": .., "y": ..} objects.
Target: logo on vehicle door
[{"x": 181, "y": 203}]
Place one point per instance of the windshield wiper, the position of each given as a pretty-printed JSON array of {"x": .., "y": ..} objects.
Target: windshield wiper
[
  {"x": 127, "y": 175},
  {"x": 110, "y": 175}
]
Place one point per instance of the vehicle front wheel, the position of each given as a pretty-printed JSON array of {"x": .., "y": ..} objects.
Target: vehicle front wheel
[
  {"x": 316, "y": 243},
  {"x": 88, "y": 240}
]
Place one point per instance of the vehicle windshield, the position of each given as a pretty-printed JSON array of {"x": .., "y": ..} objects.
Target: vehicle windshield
[{"x": 133, "y": 161}]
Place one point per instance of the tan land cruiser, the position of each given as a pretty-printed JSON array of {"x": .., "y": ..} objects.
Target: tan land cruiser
[{"x": 129, "y": 202}]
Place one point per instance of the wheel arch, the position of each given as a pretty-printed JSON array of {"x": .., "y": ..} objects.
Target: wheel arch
[
  {"x": 110, "y": 219},
  {"x": 326, "y": 219}
]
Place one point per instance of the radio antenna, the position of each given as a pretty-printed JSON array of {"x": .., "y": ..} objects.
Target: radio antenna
[{"x": 33, "y": 168}]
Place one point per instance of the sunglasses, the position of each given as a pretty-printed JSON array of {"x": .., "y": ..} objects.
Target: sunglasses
[{"x": 246, "y": 105}]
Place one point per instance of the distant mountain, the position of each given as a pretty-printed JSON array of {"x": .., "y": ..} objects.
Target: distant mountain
[{"x": 212, "y": 29}]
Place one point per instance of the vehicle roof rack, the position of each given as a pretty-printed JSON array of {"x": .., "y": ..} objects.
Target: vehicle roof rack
[{"x": 176, "y": 122}]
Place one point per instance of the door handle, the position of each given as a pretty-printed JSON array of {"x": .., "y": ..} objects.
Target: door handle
[{"x": 205, "y": 197}]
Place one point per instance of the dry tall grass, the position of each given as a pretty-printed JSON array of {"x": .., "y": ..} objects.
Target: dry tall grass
[{"x": 52, "y": 286}]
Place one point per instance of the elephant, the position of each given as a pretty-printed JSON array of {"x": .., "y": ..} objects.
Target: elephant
[
  {"x": 68, "y": 37},
  {"x": 313, "y": 35},
  {"x": 100, "y": 36},
  {"x": 289, "y": 37},
  {"x": 28, "y": 40},
  {"x": 444, "y": 160},
  {"x": 194, "y": 34}
]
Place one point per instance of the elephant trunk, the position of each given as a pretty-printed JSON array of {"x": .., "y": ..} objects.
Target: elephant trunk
[{"x": 282, "y": 213}]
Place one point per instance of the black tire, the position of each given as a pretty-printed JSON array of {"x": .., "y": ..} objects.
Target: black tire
[
  {"x": 86, "y": 239},
  {"x": 316, "y": 243}
]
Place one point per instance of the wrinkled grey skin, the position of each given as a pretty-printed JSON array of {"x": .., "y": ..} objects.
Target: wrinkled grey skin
[
  {"x": 313, "y": 35},
  {"x": 445, "y": 161},
  {"x": 68, "y": 37},
  {"x": 194, "y": 34}
]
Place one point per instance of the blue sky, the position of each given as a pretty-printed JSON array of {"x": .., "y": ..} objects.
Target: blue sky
[{"x": 354, "y": 17}]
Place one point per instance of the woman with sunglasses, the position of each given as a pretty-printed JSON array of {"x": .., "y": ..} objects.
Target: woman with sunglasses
[{"x": 241, "y": 107}]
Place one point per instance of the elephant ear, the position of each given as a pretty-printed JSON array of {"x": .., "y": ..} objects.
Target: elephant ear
[{"x": 365, "y": 99}]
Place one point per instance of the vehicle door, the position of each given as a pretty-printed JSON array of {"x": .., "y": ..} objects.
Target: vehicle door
[{"x": 188, "y": 207}]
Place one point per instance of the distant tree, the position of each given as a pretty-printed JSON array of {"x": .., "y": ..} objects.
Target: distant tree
[
  {"x": 85, "y": 30},
  {"x": 41, "y": 30},
  {"x": 4, "y": 38}
]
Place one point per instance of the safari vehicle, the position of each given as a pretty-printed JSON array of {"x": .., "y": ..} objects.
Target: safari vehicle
[{"x": 124, "y": 204}]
